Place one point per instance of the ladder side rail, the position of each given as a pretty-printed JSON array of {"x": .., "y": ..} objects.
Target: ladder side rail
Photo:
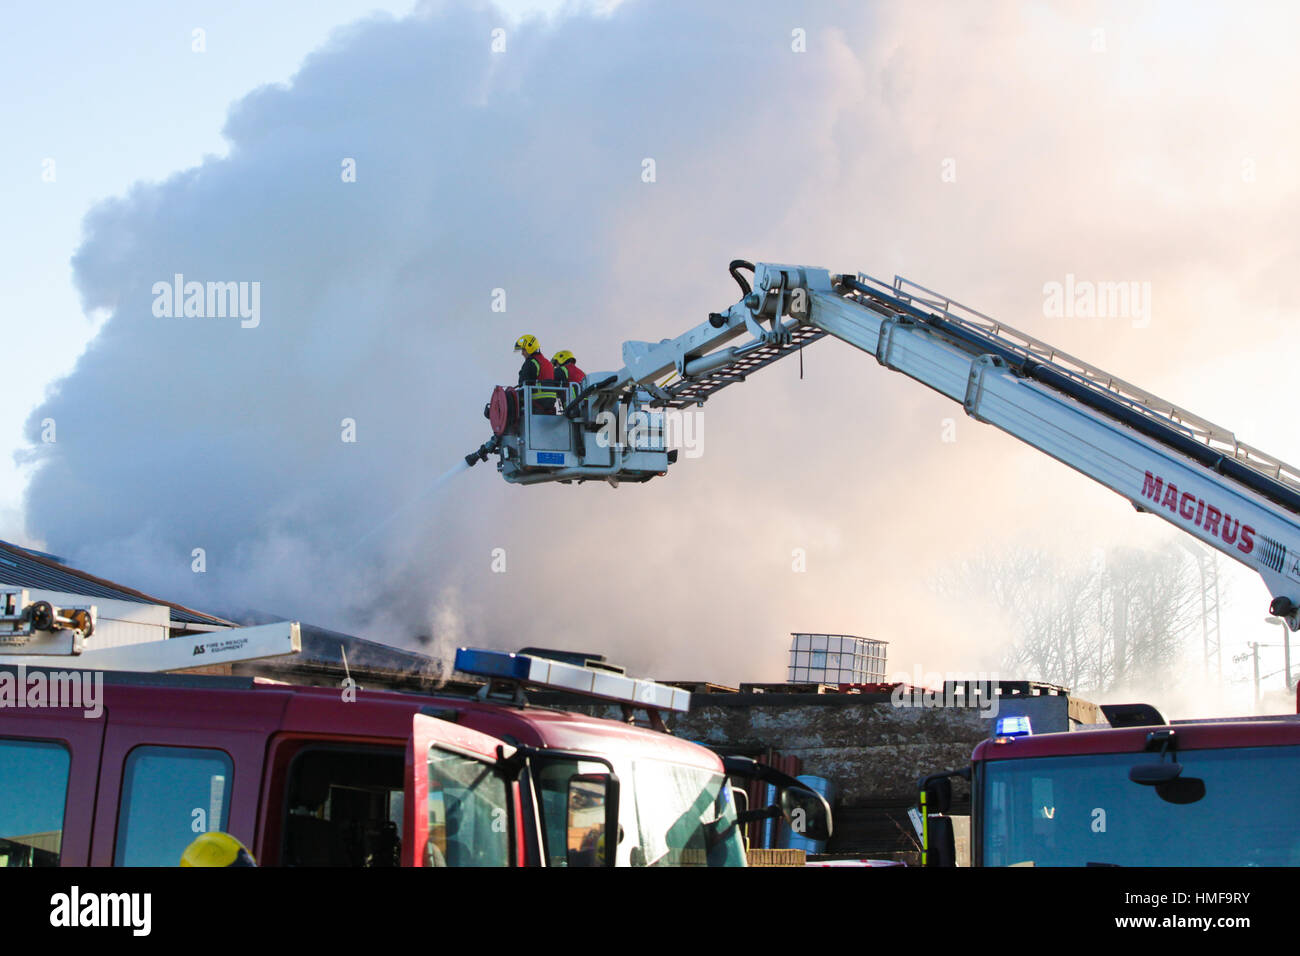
[
  {"x": 1075, "y": 365},
  {"x": 1239, "y": 461},
  {"x": 1214, "y": 435}
]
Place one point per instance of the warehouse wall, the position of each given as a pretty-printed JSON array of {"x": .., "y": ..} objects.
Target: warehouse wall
[{"x": 873, "y": 749}]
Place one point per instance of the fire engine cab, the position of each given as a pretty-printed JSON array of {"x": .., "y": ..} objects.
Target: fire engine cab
[
  {"x": 312, "y": 776},
  {"x": 1143, "y": 792}
]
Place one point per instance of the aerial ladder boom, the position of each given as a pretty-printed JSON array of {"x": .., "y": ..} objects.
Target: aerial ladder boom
[
  {"x": 40, "y": 634},
  {"x": 1162, "y": 458}
]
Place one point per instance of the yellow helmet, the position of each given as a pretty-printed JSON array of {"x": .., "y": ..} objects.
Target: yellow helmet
[
  {"x": 527, "y": 344},
  {"x": 216, "y": 849},
  {"x": 562, "y": 356}
]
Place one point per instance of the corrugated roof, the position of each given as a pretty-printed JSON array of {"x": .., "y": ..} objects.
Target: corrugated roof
[{"x": 25, "y": 568}]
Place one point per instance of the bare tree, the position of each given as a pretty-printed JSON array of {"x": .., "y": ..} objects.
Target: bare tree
[
  {"x": 1159, "y": 593},
  {"x": 1092, "y": 624}
]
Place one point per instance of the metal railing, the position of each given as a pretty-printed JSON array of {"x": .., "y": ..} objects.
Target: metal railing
[{"x": 1213, "y": 436}]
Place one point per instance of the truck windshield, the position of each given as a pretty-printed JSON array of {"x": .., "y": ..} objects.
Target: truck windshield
[
  {"x": 685, "y": 817},
  {"x": 1080, "y": 810}
]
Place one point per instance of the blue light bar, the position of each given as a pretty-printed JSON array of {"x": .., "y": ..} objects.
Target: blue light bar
[
  {"x": 1014, "y": 726},
  {"x": 558, "y": 675},
  {"x": 492, "y": 664}
]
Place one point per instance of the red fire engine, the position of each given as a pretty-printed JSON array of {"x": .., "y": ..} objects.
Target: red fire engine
[
  {"x": 1144, "y": 792},
  {"x": 305, "y": 776}
]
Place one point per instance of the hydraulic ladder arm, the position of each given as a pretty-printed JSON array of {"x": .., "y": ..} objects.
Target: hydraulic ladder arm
[{"x": 1162, "y": 458}]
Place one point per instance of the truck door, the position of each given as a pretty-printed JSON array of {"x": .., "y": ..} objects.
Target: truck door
[
  {"x": 168, "y": 776},
  {"x": 462, "y": 805}
]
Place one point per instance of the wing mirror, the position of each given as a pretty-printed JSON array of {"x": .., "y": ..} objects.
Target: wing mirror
[{"x": 806, "y": 812}]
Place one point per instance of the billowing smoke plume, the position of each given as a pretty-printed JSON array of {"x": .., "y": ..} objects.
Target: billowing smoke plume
[{"x": 595, "y": 174}]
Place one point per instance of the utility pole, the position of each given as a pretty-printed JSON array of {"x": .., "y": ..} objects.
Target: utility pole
[
  {"x": 1286, "y": 648},
  {"x": 1254, "y": 646}
]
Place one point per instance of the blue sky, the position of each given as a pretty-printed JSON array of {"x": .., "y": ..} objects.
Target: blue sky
[{"x": 115, "y": 94}]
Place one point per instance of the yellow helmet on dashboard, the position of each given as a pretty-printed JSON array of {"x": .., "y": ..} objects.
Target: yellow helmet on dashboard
[
  {"x": 562, "y": 356},
  {"x": 527, "y": 344}
]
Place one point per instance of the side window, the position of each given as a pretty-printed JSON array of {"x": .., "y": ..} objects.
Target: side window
[
  {"x": 33, "y": 793},
  {"x": 344, "y": 808},
  {"x": 469, "y": 819},
  {"x": 170, "y": 795}
]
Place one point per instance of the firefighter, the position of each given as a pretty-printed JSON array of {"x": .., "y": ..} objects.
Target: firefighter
[
  {"x": 566, "y": 369},
  {"x": 536, "y": 370},
  {"x": 216, "y": 849}
]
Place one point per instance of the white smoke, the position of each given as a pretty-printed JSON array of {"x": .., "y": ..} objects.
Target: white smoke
[{"x": 184, "y": 440}]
